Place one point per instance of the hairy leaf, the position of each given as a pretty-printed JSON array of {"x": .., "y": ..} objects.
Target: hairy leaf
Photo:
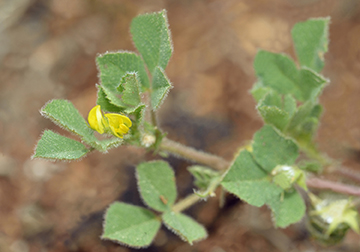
[
  {"x": 271, "y": 149},
  {"x": 311, "y": 42},
  {"x": 130, "y": 225},
  {"x": 55, "y": 146},
  {"x": 288, "y": 209},
  {"x": 247, "y": 180},
  {"x": 184, "y": 226},
  {"x": 156, "y": 182},
  {"x": 160, "y": 87},
  {"x": 151, "y": 36}
]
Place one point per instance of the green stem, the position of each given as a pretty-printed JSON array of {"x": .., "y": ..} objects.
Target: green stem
[{"x": 186, "y": 203}]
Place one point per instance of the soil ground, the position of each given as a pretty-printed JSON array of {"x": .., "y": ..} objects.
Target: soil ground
[{"x": 48, "y": 50}]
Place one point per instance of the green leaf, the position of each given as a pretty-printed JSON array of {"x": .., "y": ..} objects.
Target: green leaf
[
  {"x": 311, "y": 83},
  {"x": 287, "y": 210},
  {"x": 184, "y": 226},
  {"x": 311, "y": 42},
  {"x": 277, "y": 71},
  {"x": 105, "y": 103},
  {"x": 276, "y": 110},
  {"x": 130, "y": 225},
  {"x": 130, "y": 89},
  {"x": 151, "y": 36},
  {"x": 271, "y": 149},
  {"x": 156, "y": 182},
  {"x": 274, "y": 116},
  {"x": 64, "y": 114},
  {"x": 289, "y": 105},
  {"x": 55, "y": 146},
  {"x": 160, "y": 87},
  {"x": 259, "y": 91},
  {"x": 113, "y": 66},
  {"x": 280, "y": 73},
  {"x": 109, "y": 143},
  {"x": 136, "y": 129},
  {"x": 247, "y": 180}
]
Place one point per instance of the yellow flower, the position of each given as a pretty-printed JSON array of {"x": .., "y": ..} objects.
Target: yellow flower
[
  {"x": 96, "y": 120},
  {"x": 119, "y": 124},
  {"x": 115, "y": 124}
]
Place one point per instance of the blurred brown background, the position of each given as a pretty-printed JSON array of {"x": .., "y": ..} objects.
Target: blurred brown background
[{"x": 48, "y": 50}]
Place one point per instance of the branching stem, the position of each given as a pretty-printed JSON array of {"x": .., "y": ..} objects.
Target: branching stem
[{"x": 219, "y": 163}]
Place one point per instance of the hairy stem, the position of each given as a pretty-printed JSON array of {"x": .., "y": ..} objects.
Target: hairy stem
[
  {"x": 207, "y": 159},
  {"x": 219, "y": 163},
  {"x": 186, "y": 203},
  {"x": 333, "y": 186}
]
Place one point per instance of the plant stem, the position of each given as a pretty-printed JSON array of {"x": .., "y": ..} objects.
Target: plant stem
[
  {"x": 207, "y": 159},
  {"x": 219, "y": 163},
  {"x": 186, "y": 203},
  {"x": 333, "y": 186},
  {"x": 153, "y": 118}
]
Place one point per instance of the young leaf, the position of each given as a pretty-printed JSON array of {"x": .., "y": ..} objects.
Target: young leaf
[
  {"x": 160, "y": 87},
  {"x": 105, "y": 103},
  {"x": 302, "y": 112},
  {"x": 151, "y": 36},
  {"x": 203, "y": 176},
  {"x": 311, "y": 83},
  {"x": 137, "y": 127},
  {"x": 55, "y": 146},
  {"x": 188, "y": 229},
  {"x": 258, "y": 90},
  {"x": 156, "y": 182},
  {"x": 271, "y": 149},
  {"x": 276, "y": 110},
  {"x": 64, "y": 114},
  {"x": 130, "y": 89},
  {"x": 247, "y": 180},
  {"x": 113, "y": 66},
  {"x": 274, "y": 116},
  {"x": 288, "y": 209},
  {"x": 289, "y": 104},
  {"x": 130, "y": 225},
  {"x": 311, "y": 42}
]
